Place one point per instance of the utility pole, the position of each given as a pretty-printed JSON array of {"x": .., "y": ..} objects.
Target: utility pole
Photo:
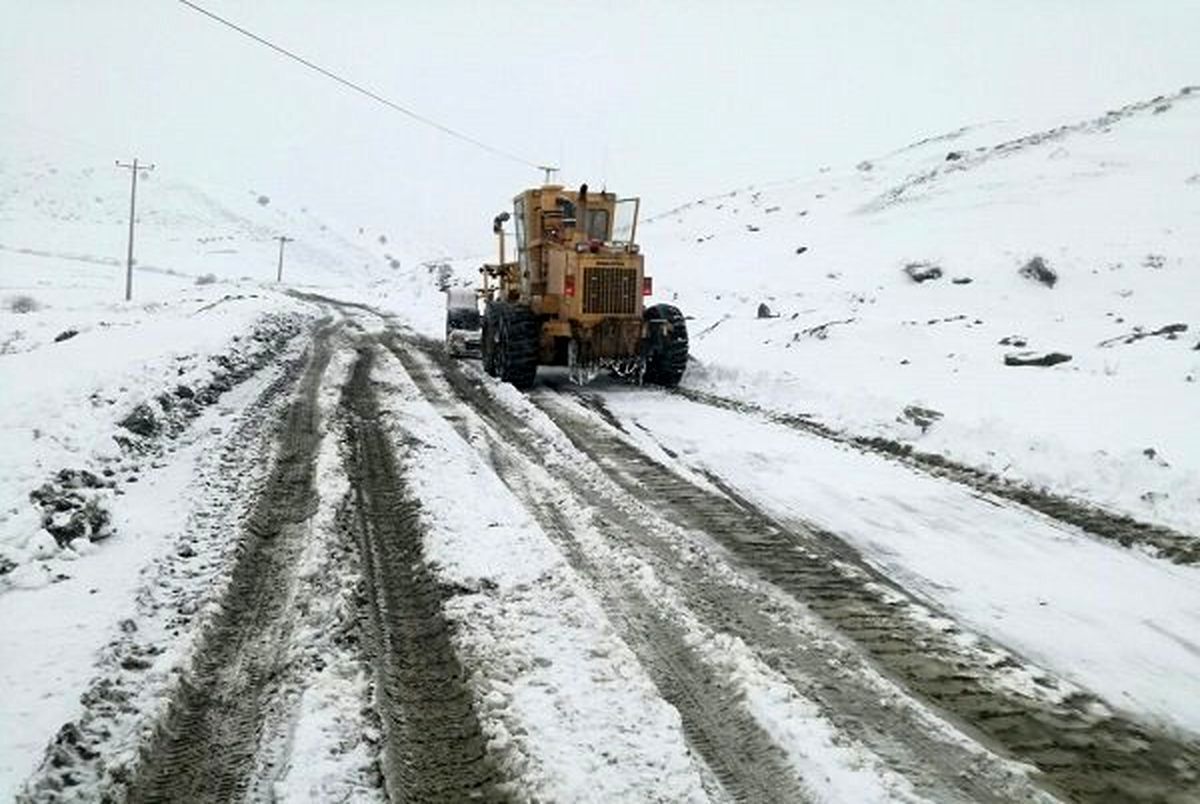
[
  {"x": 133, "y": 172},
  {"x": 282, "y": 239}
]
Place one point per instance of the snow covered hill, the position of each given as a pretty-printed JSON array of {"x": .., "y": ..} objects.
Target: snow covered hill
[{"x": 1110, "y": 206}]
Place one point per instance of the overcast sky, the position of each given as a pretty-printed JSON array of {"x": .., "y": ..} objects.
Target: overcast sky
[{"x": 668, "y": 100}]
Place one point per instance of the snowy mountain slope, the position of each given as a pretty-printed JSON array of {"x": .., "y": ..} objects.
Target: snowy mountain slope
[{"x": 1111, "y": 205}]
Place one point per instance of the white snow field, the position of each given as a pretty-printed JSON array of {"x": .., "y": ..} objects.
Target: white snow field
[
  {"x": 280, "y": 509},
  {"x": 1111, "y": 204}
]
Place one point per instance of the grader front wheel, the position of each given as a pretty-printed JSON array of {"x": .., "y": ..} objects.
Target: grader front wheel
[
  {"x": 667, "y": 345},
  {"x": 510, "y": 343}
]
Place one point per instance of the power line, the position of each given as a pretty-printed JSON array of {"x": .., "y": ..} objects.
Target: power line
[{"x": 360, "y": 89}]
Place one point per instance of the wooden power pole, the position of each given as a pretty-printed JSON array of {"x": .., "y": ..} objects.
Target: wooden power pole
[
  {"x": 133, "y": 169},
  {"x": 282, "y": 240}
]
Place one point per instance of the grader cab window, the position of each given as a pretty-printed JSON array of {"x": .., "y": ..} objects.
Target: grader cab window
[
  {"x": 597, "y": 224},
  {"x": 567, "y": 209}
]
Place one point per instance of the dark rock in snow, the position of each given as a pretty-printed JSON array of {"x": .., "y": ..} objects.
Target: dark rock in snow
[
  {"x": 1013, "y": 340},
  {"x": 765, "y": 312},
  {"x": 801, "y": 249},
  {"x": 134, "y": 663},
  {"x": 141, "y": 421},
  {"x": 184, "y": 392},
  {"x": 1152, "y": 454},
  {"x": 79, "y": 479},
  {"x": 962, "y": 280},
  {"x": 65, "y": 335},
  {"x": 1035, "y": 358},
  {"x": 954, "y": 156},
  {"x": 1037, "y": 270},
  {"x": 922, "y": 271}
]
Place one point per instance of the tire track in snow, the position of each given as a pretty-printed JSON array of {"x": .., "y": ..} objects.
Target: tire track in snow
[
  {"x": 1082, "y": 749},
  {"x": 204, "y": 749},
  {"x": 747, "y": 763},
  {"x": 435, "y": 749},
  {"x": 915, "y": 744}
]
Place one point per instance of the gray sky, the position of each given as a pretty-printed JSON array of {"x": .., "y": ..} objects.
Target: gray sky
[{"x": 669, "y": 100}]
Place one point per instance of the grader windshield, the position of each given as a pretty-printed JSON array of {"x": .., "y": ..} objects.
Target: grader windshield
[{"x": 625, "y": 224}]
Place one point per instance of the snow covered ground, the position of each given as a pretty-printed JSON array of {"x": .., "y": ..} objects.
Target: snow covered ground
[{"x": 1112, "y": 206}]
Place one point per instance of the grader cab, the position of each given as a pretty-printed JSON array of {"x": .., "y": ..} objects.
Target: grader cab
[{"x": 575, "y": 294}]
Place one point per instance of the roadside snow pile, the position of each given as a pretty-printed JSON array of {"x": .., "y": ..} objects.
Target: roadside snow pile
[
  {"x": 1038, "y": 290},
  {"x": 84, "y": 418}
]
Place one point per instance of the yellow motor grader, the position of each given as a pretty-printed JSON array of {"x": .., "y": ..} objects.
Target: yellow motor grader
[{"x": 575, "y": 295}]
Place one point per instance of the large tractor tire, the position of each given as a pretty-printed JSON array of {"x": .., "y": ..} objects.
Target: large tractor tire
[
  {"x": 491, "y": 332},
  {"x": 511, "y": 338},
  {"x": 667, "y": 345}
]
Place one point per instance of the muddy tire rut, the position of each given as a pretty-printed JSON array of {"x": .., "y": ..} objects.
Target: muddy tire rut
[
  {"x": 435, "y": 749},
  {"x": 205, "y": 747}
]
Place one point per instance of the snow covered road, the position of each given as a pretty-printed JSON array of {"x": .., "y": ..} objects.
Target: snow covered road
[{"x": 418, "y": 583}]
